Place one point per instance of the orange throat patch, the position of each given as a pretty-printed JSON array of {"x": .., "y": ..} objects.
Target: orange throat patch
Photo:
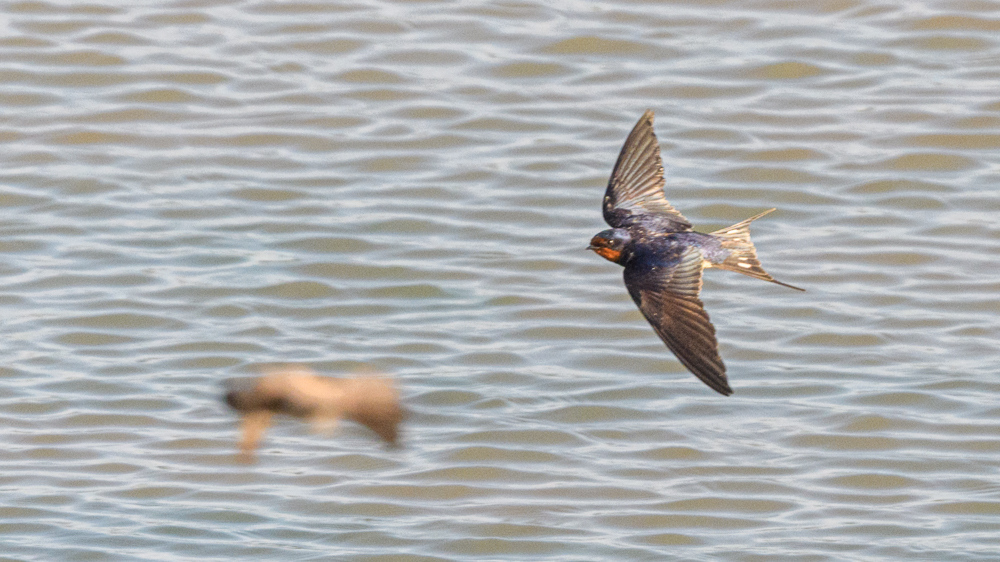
[{"x": 608, "y": 254}]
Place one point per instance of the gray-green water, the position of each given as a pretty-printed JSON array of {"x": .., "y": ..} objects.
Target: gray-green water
[{"x": 191, "y": 190}]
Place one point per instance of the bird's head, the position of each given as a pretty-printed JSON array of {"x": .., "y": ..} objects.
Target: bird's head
[{"x": 610, "y": 243}]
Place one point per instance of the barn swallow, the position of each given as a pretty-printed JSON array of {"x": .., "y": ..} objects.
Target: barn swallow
[
  {"x": 664, "y": 257},
  {"x": 297, "y": 391}
]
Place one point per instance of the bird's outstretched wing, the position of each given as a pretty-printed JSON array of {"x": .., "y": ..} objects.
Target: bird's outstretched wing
[
  {"x": 667, "y": 295},
  {"x": 636, "y": 184}
]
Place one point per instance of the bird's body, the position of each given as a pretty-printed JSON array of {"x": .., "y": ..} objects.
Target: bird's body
[{"x": 664, "y": 257}]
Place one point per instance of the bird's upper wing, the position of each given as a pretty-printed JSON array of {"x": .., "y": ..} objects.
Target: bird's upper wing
[
  {"x": 636, "y": 184},
  {"x": 667, "y": 295}
]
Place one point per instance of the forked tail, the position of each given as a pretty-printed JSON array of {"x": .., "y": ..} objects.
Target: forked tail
[{"x": 743, "y": 256}]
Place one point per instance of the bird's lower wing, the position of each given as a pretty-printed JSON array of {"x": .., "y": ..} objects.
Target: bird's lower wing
[{"x": 668, "y": 298}]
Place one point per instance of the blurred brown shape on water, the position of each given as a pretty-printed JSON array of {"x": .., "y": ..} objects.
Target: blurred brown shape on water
[{"x": 297, "y": 391}]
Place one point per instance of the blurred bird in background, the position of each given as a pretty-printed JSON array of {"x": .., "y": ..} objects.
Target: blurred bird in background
[{"x": 297, "y": 391}]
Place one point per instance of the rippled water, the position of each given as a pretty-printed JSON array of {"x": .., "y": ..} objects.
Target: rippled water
[{"x": 192, "y": 190}]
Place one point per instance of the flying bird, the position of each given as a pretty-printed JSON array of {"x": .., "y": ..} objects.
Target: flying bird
[
  {"x": 323, "y": 401},
  {"x": 664, "y": 257}
]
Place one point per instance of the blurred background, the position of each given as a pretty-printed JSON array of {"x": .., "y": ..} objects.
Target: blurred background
[{"x": 193, "y": 190}]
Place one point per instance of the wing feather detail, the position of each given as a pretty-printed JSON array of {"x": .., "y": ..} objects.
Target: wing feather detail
[
  {"x": 636, "y": 184},
  {"x": 668, "y": 298}
]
